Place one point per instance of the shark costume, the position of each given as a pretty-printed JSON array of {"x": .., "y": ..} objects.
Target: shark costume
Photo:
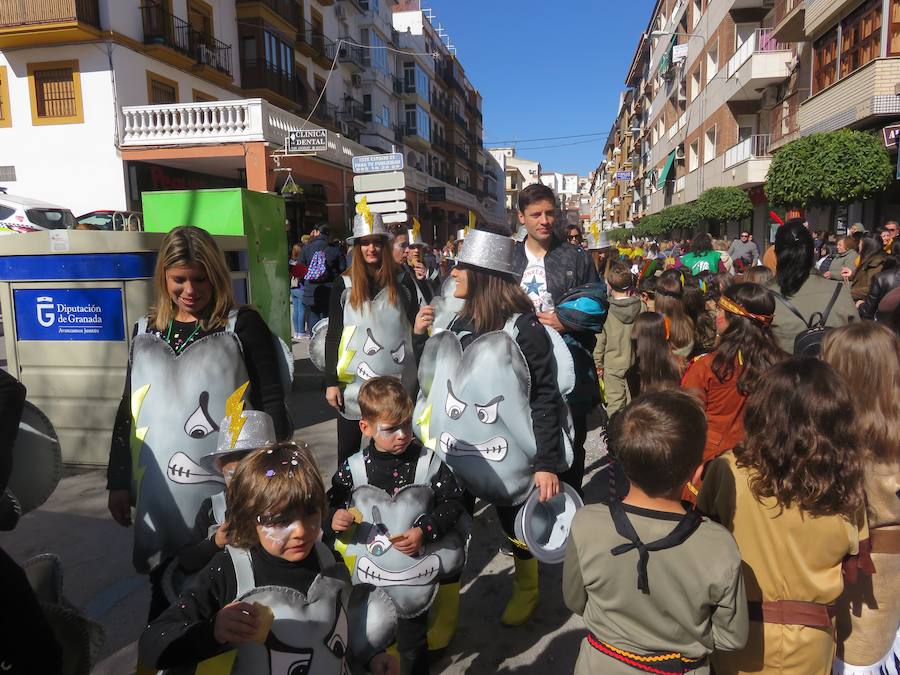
[{"x": 320, "y": 624}]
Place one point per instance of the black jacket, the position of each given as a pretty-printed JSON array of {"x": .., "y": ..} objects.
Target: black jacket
[
  {"x": 334, "y": 264},
  {"x": 882, "y": 284}
]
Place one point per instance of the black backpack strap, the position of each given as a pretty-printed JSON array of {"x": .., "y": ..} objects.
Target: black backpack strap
[
  {"x": 787, "y": 303},
  {"x": 834, "y": 297}
]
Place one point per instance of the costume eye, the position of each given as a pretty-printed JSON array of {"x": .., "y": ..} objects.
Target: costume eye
[
  {"x": 399, "y": 354},
  {"x": 487, "y": 414},
  {"x": 199, "y": 424},
  {"x": 379, "y": 544},
  {"x": 453, "y": 406},
  {"x": 371, "y": 347},
  {"x": 337, "y": 638}
]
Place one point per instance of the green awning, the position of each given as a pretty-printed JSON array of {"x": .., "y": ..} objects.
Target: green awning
[
  {"x": 666, "y": 59},
  {"x": 661, "y": 182}
]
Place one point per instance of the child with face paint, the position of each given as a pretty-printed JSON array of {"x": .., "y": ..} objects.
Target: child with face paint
[
  {"x": 240, "y": 433},
  {"x": 390, "y": 462},
  {"x": 276, "y": 594}
]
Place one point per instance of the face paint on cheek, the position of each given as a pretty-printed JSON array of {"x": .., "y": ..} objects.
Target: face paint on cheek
[{"x": 279, "y": 534}]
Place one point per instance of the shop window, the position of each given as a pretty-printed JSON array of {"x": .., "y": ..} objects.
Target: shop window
[
  {"x": 894, "y": 29},
  {"x": 861, "y": 37},
  {"x": 161, "y": 90},
  {"x": 825, "y": 61},
  {"x": 5, "y": 118},
  {"x": 55, "y": 90}
]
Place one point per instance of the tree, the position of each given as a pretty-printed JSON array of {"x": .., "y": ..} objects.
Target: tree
[
  {"x": 833, "y": 167},
  {"x": 724, "y": 204},
  {"x": 679, "y": 217}
]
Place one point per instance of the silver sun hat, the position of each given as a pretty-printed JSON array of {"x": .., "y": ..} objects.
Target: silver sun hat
[
  {"x": 596, "y": 238},
  {"x": 367, "y": 224},
  {"x": 415, "y": 233},
  {"x": 488, "y": 251},
  {"x": 242, "y": 431},
  {"x": 544, "y": 526}
]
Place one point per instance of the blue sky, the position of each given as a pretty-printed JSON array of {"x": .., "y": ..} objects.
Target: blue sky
[{"x": 546, "y": 68}]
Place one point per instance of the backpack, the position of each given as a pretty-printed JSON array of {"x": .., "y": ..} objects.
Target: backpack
[
  {"x": 809, "y": 341},
  {"x": 317, "y": 270}
]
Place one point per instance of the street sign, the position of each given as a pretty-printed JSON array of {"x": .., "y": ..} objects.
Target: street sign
[
  {"x": 390, "y": 218},
  {"x": 306, "y": 140},
  {"x": 392, "y": 161},
  {"x": 374, "y": 197},
  {"x": 679, "y": 52},
  {"x": 624, "y": 175},
  {"x": 891, "y": 134},
  {"x": 379, "y": 181},
  {"x": 387, "y": 207},
  {"x": 69, "y": 314}
]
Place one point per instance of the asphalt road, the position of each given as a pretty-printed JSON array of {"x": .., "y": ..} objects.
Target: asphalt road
[{"x": 96, "y": 556}]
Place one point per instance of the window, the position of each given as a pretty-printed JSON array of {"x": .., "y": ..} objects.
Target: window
[
  {"x": 893, "y": 47},
  {"x": 55, "y": 90},
  {"x": 320, "y": 86},
  {"x": 367, "y": 108},
  {"x": 693, "y": 156},
  {"x": 712, "y": 61},
  {"x": 200, "y": 19},
  {"x": 709, "y": 145},
  {"x": 861, "y": 37},
  {"x": 386, "y": 116},
  {"x": 5, "y": 119},
  {"x": 825, "y": 61},
  {"x": 696, "y": 11},
  {"x": 201, "y": 97},
  {"x": 418, "y": 121},
  {"x": 379, "y": 54},
  {"x": 248, "y": 48},
  {"x": 423, "y": 84},
  {"x": 695, "y": 84},
  {"x": 161, "y": 90}
]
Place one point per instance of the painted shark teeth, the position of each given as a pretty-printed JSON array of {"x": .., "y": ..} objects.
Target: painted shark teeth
[
  {"x": 420, "y": 574},
  {"x": 493, "y": 450},
  {"x": 365, "y": 372},
  {"x": 182, "y": 469}
]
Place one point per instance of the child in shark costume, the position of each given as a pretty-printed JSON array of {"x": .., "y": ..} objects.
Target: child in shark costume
[
  {"x": 410, "y": 528},
  {"x": 276, "y": 602},
  {"x": 491, "y": 402}
]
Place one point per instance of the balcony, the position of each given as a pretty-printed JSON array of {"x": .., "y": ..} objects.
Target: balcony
[
  {"x": 461, "y": 152},
  {"x": 857, "y": 99},
  {"x": 749, "y": 160},
  {"x": 353, "y": 112},
  {"x": 352, "y": 55},
  {"x": 398, "y": 85},
  {"x": 327, "y": 115},
  {"x": 822, "y": 14},
  {"x": 25, "y": 23},
  {"x": 460, "y": 120},
  {"x": 262, "y": 75},
  {"x": 287, "y": 10},
  {"x": 758, "y": 63},
  {"x": 788, "y": 20},
  {"x": 213, "y": 53},
  {"x": 174, "y": 41},
  {"x": 359, "y": 5},
  {"x": 786, "y": 119},
  {"x": 313, "y": 43}
]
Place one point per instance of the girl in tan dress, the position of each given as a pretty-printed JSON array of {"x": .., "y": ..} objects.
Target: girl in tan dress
[
  {"x": 792, "y": 496},
  {"x": 867, "y": 355}
]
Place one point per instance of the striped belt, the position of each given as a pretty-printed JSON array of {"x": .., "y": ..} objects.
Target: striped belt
[{"x": 659, "y": 663}]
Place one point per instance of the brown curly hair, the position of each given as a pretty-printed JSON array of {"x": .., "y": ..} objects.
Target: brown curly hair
[
  {"x": 800, "y": 447},
  {"x": 282, "y": 477}
]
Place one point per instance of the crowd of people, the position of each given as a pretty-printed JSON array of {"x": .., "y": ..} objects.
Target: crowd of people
[{"x": 748, "y": 519}]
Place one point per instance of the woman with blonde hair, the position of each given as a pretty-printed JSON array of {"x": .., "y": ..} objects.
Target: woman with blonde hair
[
  {"x": 192, "y": 357},
  {"x": 867, "y": 355}
]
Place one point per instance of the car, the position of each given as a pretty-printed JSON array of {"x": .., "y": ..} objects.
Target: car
[
  {"x": 24, "y": 214},
  {"x": 110, "y": 220}
]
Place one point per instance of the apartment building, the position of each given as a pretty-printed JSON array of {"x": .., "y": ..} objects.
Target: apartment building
[
  {"x": 170, "y": 94},
  {"x": 715, "y": 88},
  {"x": 518, "y": 174}
]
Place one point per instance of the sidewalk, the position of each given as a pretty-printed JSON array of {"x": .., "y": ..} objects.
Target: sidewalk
[{"x": 96, "y": 557}]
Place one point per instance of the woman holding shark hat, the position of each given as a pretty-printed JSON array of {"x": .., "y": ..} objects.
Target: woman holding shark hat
[
  {"x": 490, "y": 403},
  {"x": 369, "y": 327},
  {"x": 193, "y": 351}
]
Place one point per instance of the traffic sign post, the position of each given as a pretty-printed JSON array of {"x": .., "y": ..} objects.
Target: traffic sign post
[
  {"x": 392, "y": 161},
  {"x": 624, "y": 175},
  {"x": 381, "y": 181}
]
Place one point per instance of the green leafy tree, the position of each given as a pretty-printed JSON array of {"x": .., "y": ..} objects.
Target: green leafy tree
[
  {"x": 678, "y": 217},
  {"x": 723, "y": 205},
  {"x": 833, "y": 167}
]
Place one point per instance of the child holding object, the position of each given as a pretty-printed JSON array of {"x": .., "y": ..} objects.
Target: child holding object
[
  {"x": 276, "y": 600},
  {"x": 686, "y": 597}
]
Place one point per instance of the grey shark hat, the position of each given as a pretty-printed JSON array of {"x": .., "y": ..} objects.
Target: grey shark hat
[
  {"x": 596, "y": 238},
  {"x": 362, "y": 228},
  {"x": 488, "y": 251},
  {"x": 240, "y": 432}
]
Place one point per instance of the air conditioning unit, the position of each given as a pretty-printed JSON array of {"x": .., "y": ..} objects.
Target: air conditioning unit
[
  {"x": 355, "y": 78},
  {"x": 679, "y": 152}
]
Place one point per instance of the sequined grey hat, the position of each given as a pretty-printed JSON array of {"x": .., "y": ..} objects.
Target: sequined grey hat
[
  {"x": 247, "y": 430},
  {"x": 488, "y": 251},
  {"x": 521, "y": 233},
  {"x": 362, "y": 228},
  {"x": 596, "y": 238}
]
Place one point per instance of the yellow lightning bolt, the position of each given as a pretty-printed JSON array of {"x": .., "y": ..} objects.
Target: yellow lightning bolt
[
  {"x": 137, "y": 438},
  {"x": 416, "y": 228},
  {"x": 345, "y": 356},
  {"x": 234, "y": 406},
  {"x": 363, "y": 209},
  {"x": 341, "y": 544},
  {"x": 424, "y": 423},
  {"x": 471, "y": 222},
  {"x": 595, "y": 231}
]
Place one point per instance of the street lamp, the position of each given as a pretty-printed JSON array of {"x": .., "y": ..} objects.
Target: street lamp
[{"x": 663, "y": 33}]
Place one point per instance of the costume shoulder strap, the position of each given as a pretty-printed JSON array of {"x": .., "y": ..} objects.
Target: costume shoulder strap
[
  {"x": 348, "y": 282},
  {"x": 325, "y": 556},
  {"x": 358, "y": 469},
  {"x": 232, "y": 320},
  {"x": 243, "y": 569},
  {"x": 426, "y": 466},
  {"x": 218, "y": 507},
  {"x": 510, "y": 326},
  {"x": 142, "y": 325}
]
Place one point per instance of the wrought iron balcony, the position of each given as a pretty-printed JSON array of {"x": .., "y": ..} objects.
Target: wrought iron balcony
[
  {"x": 288, "y": 10},
  {"x": 264, "y": 75},
  {"x": 165, "y": 29},
  {"x": 352, "y": 55},
  {"x": 353, "y": 112}
]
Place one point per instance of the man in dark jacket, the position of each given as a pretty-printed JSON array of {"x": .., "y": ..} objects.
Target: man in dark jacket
[
  {"x": 551, "y": 267},
  {"x": 317, "y": 289}
]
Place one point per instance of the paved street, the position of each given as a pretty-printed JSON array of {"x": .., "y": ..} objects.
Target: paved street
[{"x": 96, "y": 555}]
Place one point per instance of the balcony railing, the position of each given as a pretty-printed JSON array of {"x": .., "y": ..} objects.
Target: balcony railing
[
  {"x": 754, "y": 147},
  {"x": 286, "y": 9},
  {"x": 461, "y": 152},
  {"x": 212, "y": 52},
  {"x": 351, "y": 54},
  {"x": 24, "y": 12},
  {"x": 321, "y": 46},
  {"x": 760, "y": 41},
  {"x": 460, "y": 120},
  {"x": 264, "y": 75},
  {"x": 327, "y": 115},
  {"x": 783, "y": 8},
  {"x": 163, "y": 28},
  {"x": 398, "y": 84},
  {"x": 353, "y": 111}
]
